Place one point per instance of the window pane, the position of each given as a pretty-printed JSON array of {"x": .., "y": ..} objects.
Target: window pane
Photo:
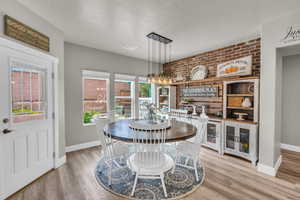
[
  {"x": 94, "y": 98},
  {"x": 122, "y": 88},
  {"x": 27, "y": 89},
  {"x": 144, "y": 97},
  {"x": 123, "y": 100},
  {"x": 142, "y": 108},
  {"x": 144, "y": 90},
  {"x": 123, "y": 108}
]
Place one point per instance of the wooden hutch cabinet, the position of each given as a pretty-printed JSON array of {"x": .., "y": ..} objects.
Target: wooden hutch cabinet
[
  {"x": 237, "y": 132},
  {"x": 240, "y": 112}
]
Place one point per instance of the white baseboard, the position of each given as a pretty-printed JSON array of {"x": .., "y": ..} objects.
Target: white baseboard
[
  {"x": 290, "y": 147},
  {"x": 60, "y": 161},
  {"x": 272, "y": 171},
  {"x": 82, "y": 146}
]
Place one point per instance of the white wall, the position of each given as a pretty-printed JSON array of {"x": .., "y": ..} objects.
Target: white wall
[
  {"x": 271, "y": 83},
  {"x": 78, "y": 58},
  {"x": 23, "y": 14},
  {"x": 291, "y": 101}
]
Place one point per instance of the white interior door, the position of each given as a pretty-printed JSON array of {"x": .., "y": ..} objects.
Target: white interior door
[{"x": 26, "y": 107}]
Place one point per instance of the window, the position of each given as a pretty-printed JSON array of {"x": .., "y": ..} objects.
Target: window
[
  {"x": 27, "y": 94},
  {"x": 144, "y": 97},
  {"x": 123, "y": 99},
  {"x": 95, "y": 90},
  {"x": 124, "y": 96}
]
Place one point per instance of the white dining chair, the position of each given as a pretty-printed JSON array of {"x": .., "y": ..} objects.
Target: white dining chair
[
  {"x": 110, "y": 150},
  {"x": 191, "y": 150},
  {"x": 149, "y": 160}
]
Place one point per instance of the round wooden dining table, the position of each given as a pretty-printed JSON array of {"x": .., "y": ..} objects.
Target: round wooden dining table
[{"x": 178, "y": 131}]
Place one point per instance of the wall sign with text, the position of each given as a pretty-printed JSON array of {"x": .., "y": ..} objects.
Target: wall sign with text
[
  {"x": 26, "y": 34},
  {"x": 205, "y": 91},
  {"x": 292, "y": 34},
  {"x": 238, "y": 67}
]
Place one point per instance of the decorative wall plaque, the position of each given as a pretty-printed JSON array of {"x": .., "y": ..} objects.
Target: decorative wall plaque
[
  {"x": 24, "y": 33},
  {"x": 238, "y": 67},
  {"x": 205, "y": 91},
  {"x": 199, "y": 72},
  {"x": 178, "y": 77}
]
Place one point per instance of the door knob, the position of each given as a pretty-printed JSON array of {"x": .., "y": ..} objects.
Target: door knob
[{"x": 6, "y": 131}]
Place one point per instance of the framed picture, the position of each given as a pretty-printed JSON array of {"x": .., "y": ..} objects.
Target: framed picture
[{"x": 238, "y": 67}]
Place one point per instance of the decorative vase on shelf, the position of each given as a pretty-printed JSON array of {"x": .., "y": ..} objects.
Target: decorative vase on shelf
[{"x": 246, "y": 103}]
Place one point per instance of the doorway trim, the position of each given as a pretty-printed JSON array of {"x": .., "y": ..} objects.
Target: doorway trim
[
  {"x": 279, "y": 48},
  {"x": 14, "y": 45}
]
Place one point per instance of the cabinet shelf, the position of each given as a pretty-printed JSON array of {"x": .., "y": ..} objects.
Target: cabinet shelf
[
  {"x": 215, "y": 79},
  {"x": 235, "y": 93},
  {"x": 239, "y": 108},
  {"x": 240, "y": 95},
  {"x": 240, "y": 121}
]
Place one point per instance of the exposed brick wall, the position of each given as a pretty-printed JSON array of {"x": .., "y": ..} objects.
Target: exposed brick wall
[{"x": 211, "y": 60}]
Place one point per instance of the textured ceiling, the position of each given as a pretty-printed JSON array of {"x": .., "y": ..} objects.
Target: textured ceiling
[{"x": 120, "y": 26}]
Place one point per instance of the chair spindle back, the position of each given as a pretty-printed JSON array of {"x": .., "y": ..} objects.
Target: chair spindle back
[{"x": 149, "y": 145}]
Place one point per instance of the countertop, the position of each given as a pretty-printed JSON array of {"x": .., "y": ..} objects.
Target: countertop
[{"x": 220, "y": 119}]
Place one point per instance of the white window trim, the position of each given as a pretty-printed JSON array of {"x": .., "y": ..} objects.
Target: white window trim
[
  {"x": 132, "y": 81},
  {"x": 125, "y": 77},
  {"x": 87, "y": 74},
  {"x": 110, "y": 101},
  {"x": 144, "y": 80},
  {"x": 95, "y": 74}
]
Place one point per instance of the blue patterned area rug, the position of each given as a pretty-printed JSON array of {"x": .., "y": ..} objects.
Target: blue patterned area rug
[{"x": 178, "y": 184}]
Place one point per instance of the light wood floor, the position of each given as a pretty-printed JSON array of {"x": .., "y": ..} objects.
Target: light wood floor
[{"x": 227, "y": 178}]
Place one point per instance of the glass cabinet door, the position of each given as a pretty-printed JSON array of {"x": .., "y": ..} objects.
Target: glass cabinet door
[
  {"x": 244, "y": 140},
  {"x": 230, "y": 137},
  {"x": 211, "y": 136}
]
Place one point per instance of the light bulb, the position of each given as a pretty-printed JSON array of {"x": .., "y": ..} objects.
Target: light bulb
[
  {"x": 153, "y": 79},
  {"x": 157, "y": 80},
  {"x": 165, "y": 81}
]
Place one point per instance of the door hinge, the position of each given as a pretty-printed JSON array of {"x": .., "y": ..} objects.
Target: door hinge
[
  {"x": 52, "y": 75},
  {"x": 53, "y": 154},
  {"x": 53, "y": 115}
]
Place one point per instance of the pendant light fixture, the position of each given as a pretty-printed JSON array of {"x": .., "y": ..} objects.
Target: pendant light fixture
[{"x": 159, "y": 53}]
